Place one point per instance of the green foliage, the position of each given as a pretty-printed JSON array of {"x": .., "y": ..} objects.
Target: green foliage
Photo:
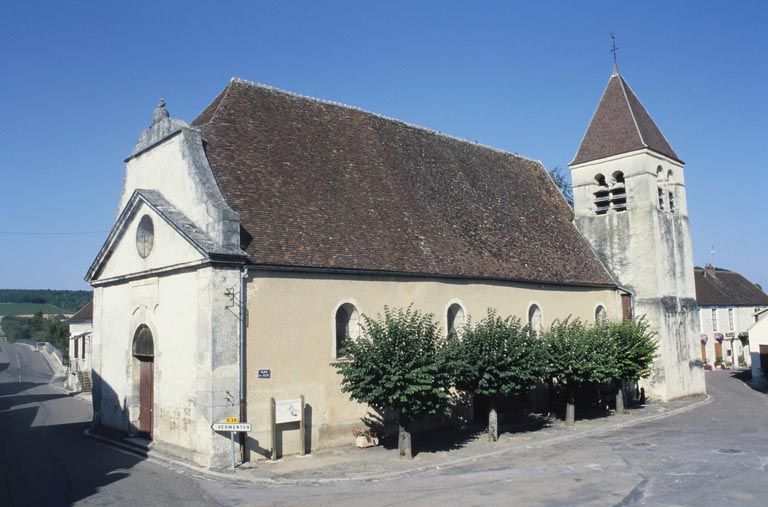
[
  {"x": 577, "y": 353},
  {"x": 398, "y": 364},
  {"x": 11, "y": 309},
  {"x": 635, "y": 348},
  {"x": 37, "y": 328},
  {"x": 498, "y": 356},
  {"x": 68, "y": 300}
]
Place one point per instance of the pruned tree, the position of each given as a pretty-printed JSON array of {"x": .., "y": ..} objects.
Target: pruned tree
[
  {"x": 494, "y": 358},
  {"x": 635, "y": 347},
  {"x": 577, "y": 354},
  {"x": 398, "y": 365}
]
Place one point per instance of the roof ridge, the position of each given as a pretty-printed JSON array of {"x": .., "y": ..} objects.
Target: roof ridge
[
  {"x": 221, "y": 97},
  {"x": 631, "y": 111},
  {"x": 589, "y": 124},
  {"x": 653, "y": 121},
  {"x": 379, "y": 115}
]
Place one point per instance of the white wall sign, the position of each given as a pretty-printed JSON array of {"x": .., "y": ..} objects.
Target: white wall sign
[
  {"x": 287, "y": 411},
  {"x": 231, "y": 427}
]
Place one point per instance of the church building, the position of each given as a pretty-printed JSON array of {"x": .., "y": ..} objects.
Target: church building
[{"x": 249, "y": 244}]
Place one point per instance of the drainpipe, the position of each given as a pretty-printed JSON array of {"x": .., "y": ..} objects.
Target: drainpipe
[{"x": 243, "y": 327}]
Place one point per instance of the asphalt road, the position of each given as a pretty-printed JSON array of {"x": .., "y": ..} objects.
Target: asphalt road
[
  {"x": 46, "y": 460},
  {"x": 714, "y": 455}
]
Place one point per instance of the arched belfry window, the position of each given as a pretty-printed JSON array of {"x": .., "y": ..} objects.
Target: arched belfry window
[
  {"x": 456, "y": 318},
  {"x": 602, "y": 198},
  {"x": 618, "y": 192},
  {"x": 534, "y": 318},
  {"x": 671, "y": 190},
  {"x": 659, "y": 176},
  {"x": 600, "y": 313},
  {"x": 143, "y": 342},
  {"x": 347, "y": 327}
]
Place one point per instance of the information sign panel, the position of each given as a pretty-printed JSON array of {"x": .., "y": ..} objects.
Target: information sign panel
[{"x": 287, "y": 411}]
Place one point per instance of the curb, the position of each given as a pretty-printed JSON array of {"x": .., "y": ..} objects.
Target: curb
[
  {"x": 278, "y": 481},
  {"x": 157, "y": 457}
]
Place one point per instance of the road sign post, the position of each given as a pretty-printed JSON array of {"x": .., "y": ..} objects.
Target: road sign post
[{"x": 232, "y": 428}]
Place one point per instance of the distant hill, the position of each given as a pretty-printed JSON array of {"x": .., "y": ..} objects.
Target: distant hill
[
  {"x": 8, "y": 309},
  {"x": 62, "y": 301}
]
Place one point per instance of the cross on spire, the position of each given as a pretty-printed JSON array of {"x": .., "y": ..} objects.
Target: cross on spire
[{"x": 613, "y": 48}]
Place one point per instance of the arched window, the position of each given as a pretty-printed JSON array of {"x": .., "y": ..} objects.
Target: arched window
[
  {"x": 600, "y": 313},
  {"x": 347, "y": 327},
  {"x": 455, "y": 319},
  {"x": 659, "y": 175},
  {"x": 143, "y": 342},
  {"x": 534, "y": 318},
  {"x": 602, "y": 199},
  {"x": 618, "y": 192}
]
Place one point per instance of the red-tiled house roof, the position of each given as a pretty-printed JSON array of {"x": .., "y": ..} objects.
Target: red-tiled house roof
[
  {"x": 321, "y": 185},
  {"x": 620, "y": 124},
  {"x": 721, "y": 287},
  {"x": 84, "y": 313}
]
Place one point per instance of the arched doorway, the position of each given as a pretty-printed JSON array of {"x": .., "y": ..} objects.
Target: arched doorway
[{"x": 144, "y": 352}]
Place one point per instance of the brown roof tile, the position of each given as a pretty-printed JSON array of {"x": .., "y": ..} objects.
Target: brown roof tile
[
  {"x": 84, "y": 313},
  {"x": 620, "y": 125},
  {"x": 721, "y": 287},
  {"x": 322, "y": 185}
]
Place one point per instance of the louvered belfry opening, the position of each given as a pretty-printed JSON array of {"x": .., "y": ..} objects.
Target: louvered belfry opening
[
  {"x": 618, "y": 192},
  {"x": 602, "y": 196}
]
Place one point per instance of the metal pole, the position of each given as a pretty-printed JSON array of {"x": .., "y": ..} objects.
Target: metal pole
[{"x": 232, "y": 439}]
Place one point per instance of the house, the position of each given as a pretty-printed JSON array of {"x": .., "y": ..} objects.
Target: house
[
  {"x": 80, "y": 352},
  {"x": 758, "y": 347},
  {"x": 249, "y": 244},
  {"x": 728, "y": 307}
]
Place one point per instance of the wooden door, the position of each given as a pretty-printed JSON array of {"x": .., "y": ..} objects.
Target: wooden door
[
  {"x": 718, "y": 350},
  {"x": 704, "y": 353},
  {"x": 626, "y": 306},
  {"x": 146, "y": 395}
]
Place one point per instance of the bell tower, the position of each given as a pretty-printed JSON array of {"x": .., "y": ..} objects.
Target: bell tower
[{"x": 630, "y": 204}]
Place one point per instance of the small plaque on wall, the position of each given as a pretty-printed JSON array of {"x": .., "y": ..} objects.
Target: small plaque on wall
[{"x": 265, "y": 373}]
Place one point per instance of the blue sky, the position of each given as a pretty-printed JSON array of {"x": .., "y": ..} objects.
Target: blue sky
[{"x": 80, "y": 80}]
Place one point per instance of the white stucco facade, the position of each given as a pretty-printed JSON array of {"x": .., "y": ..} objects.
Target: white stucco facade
[
  {"x": 758, "y": 348},
  {"x": 725, "y": 333},
  {"x": 647, "y": 247}
]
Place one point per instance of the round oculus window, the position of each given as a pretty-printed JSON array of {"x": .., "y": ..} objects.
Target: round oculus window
[{"x": 145, "y": 236}]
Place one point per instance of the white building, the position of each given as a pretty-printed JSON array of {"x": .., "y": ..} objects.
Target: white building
[
  {"x": 80, "y": 348},
  {"x": 248, "y": 245},
  {"x": 728, "y": 307},
  {"x": 758, "y": 344}
]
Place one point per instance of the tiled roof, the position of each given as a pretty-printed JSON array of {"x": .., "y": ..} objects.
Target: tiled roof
[
  {"x": 620, "y": 125},
  {"x": 322, "y": 185},
  {"x": 720, "y": 287},
  {"x": 84, "y": 313}
]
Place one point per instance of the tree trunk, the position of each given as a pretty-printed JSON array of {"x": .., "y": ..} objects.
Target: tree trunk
[
  {"x": 493, "y": 421},
  {"x": 620, "y": 408},
  {"x": 404, "y": 448},
  {"x": 570, "y": 407},
  {"x": 551, "y": 397}
]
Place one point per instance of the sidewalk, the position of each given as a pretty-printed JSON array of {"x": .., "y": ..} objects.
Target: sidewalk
[{"x": 435, "y": 451}]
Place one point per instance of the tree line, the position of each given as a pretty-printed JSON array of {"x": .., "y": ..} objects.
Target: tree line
[
  {"x": 402, "y": 364},
  {"x": 37, "y": 328},
  {"x": 70, "y": 300}
]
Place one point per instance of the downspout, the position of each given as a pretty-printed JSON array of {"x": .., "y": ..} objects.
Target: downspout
[{"x": 243, "y": 327}]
